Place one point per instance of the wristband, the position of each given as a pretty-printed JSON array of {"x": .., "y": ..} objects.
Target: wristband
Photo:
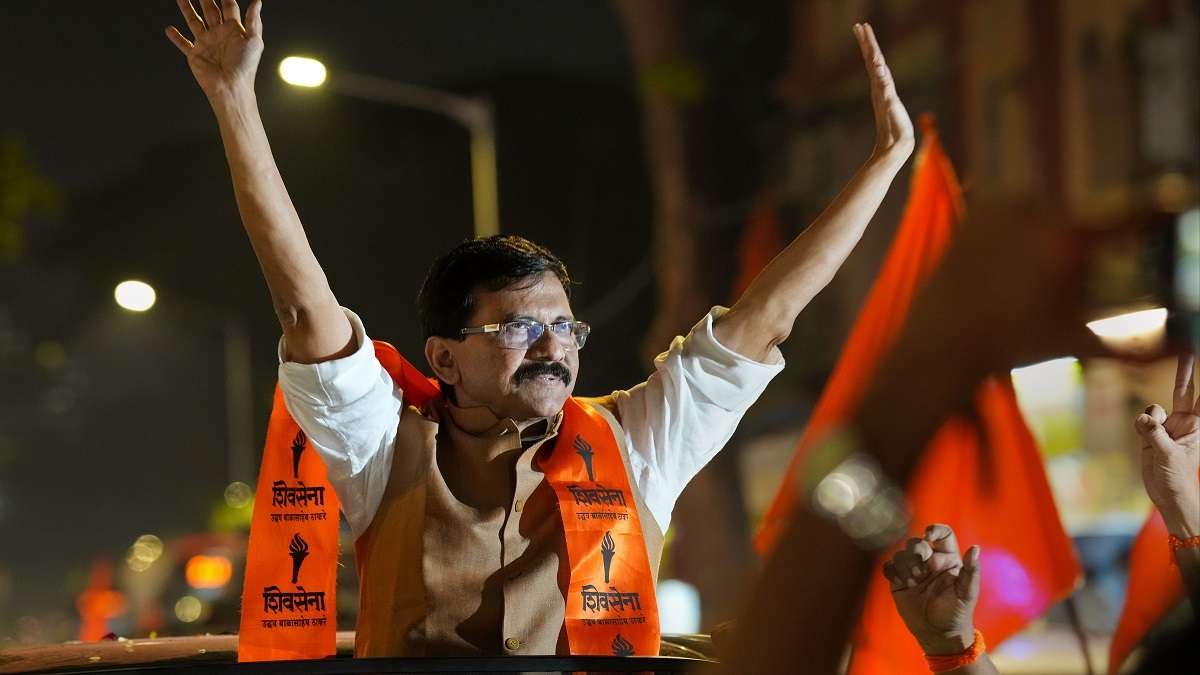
[
  {"x": 943, "y": 664},
  {"x": 1177, "y": 544}
]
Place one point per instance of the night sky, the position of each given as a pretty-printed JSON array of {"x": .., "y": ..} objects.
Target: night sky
[
  {"x": 93, "y": 85},
  {"x": 126, "y": 436},
  {"x": 113, "y": 424}
]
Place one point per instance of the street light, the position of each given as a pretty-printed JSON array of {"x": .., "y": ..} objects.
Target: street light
[
  {"x": 134, "y": 295},
  {"x": 139, "y": 296},
  {"x": 302, "y": 71},
  {"x": 475, "y": 114},
  {"x": 1138, "y": 331}
]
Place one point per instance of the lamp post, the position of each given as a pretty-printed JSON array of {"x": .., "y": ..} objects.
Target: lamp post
[
  {"x": 139, "y": 296},
  {"x": 475, "y": 114}
]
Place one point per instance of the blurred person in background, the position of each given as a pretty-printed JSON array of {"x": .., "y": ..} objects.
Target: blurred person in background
[{"x": 460, "y": 546}]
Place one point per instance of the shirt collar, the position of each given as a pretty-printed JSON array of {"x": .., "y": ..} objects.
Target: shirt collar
[{"x": 479, "y": 420}]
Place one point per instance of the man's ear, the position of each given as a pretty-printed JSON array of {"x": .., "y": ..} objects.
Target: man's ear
[{"x": 441, "y": 359}]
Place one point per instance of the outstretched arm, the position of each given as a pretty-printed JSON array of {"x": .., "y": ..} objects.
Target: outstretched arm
[
  {"x": 223, "y": 55},
  {"x": 763, "y": 316}
]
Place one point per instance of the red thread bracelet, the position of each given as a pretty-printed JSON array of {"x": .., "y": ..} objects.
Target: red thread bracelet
[
  {"x": 943, "y": 664},
  {"x": 1176, "y": 544}
]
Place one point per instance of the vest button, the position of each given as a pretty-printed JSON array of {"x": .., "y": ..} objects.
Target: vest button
[{"x": 512, "y": 644}]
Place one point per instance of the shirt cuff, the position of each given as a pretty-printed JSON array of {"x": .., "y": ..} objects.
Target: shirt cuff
[
  {"x": 729, "y": 379},
  {"x": 335, "y": 382}
]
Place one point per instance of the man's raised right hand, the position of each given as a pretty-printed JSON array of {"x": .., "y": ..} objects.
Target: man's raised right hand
[{"x": 224, "y": 53}]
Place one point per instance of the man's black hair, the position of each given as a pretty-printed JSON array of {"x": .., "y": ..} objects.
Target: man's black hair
[{"x": 447, "y": 298}]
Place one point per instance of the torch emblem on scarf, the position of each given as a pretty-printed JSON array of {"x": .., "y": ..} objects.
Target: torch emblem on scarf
[
  {"x": 298, "y": 444},
  {"x": 584, "y": 450},
  {"x": 608, "y": 548},
  {"x": 298, "y": 549},
  {"x": 621, "y": 646}
]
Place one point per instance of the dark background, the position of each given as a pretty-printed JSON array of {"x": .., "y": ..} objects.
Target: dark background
[{"x": 113, "y": 422}]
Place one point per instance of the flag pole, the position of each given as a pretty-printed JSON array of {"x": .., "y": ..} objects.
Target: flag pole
[{"x": 1080, "y": 633}]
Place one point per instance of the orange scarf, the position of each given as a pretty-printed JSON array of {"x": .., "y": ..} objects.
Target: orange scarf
[{"x": 288, "y": 604}]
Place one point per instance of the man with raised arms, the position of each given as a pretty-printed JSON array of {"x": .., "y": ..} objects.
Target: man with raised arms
[{"x": 503, "y": 515}]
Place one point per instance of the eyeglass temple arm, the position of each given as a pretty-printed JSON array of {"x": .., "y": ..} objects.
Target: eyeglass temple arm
[{"x": 488, "y": 328}]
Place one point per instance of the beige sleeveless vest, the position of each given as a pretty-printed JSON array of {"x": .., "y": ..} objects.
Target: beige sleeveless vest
[{"x": 463, "y": 555}]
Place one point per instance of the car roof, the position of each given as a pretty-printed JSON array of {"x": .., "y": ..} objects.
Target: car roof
[{"x": 213, "y": 651}]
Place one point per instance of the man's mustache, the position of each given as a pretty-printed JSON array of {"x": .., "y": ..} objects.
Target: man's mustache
[{"x": 533, "y": 370}]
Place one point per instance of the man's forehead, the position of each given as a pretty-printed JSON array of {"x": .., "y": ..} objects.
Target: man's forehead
[{"x": 539, "y": 298}]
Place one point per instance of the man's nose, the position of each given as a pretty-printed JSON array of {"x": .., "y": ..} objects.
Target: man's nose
[{"x": 546, "y": 348}]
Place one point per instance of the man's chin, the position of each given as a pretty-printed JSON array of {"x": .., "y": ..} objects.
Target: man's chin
[{"x": 544, "y": 400}]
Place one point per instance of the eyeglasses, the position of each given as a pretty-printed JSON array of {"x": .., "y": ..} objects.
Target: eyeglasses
[{"x": 522, "y": 333}]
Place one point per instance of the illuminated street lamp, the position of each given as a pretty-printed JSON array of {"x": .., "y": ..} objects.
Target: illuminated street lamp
[
  {"x": 1138, "y": 331},
  {"x": 139, "y": 296},
  {"x": 473, "y": 113},
  {"x": 1130, "y": 325},
  {"x": 301, "y": 71},
  {"x": 135, "y": 296}
]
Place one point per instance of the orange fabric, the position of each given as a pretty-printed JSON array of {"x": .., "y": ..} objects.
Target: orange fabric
[
  {"x": 611, "y": 607},
  {"x": 934, "y": 204},
  {"x": 289, "y": 601},
  {"x": 605, "y": 546},
  {"x": 983, "y": 476},
  {"x": 98, "y": 603},
  {"x": 762, "y": 240},
  {"x": 294, "y": 529},
  {"x": 1154, "y": 588}
]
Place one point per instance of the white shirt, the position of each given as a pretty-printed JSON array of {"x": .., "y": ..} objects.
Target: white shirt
[{"x": 674, "y": 422}]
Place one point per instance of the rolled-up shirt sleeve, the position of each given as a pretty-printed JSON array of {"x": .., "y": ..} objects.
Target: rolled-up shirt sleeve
[
  {"x": 350, "y": 409},
  {"x": 683, "y": 414}
]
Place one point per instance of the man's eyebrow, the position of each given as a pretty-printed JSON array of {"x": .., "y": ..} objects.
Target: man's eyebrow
[{"x": 526, "y": 317}]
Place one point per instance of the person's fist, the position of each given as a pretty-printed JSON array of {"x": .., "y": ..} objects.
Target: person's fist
[
  {"x": 936, "y": 591},
  {"x": 1171, "y": 454}
]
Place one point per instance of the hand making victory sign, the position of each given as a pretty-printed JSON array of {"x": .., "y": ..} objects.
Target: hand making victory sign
[
  {"x": 224, "y": 51},
  {"x": 1171, "y": 454},
  {"x": 1171, "y": 471}
]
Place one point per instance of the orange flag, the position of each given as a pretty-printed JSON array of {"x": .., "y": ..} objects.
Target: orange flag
[
  {"x": 1154, "y": 588},
  {"x": 934, "y": 203},
  {"x": 99, "y": 603},
  {"x": 983, "y": 476},
  {"x": 762, "y": 240}
]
